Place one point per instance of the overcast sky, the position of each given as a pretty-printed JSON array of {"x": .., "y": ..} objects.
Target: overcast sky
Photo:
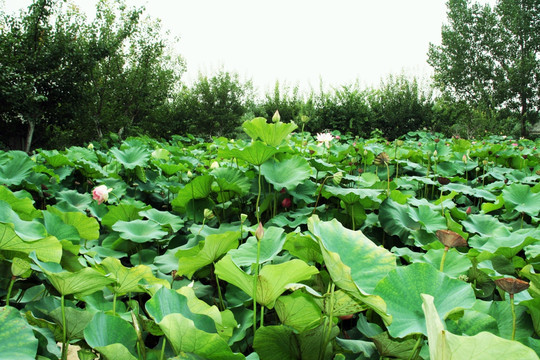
[{"x": 299, "y": 42}]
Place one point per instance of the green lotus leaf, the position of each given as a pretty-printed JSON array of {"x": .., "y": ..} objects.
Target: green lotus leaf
[
  {"x": 467, "y": 190},
  {"x": 255, "y": 153},
  {"x": 507, "y": 246},
  {"x": 46, "y": 249},
  {"x": 445, "y": 345},
  {"x": 199, "y": 188},
  {"x": 55, "y": 158},
  {"x": 430, "y": 219},
  {"x": 303, "y": 247},
  {"x": 112, "y": 336},
  {"x": 185, "y": 337},
  {"x": 366, "y": 348},
  {"x": 231, "y": 179},
  {"x": 76, "y": 321},
  {"x": 534, "y": 310},
  {"x": 394, "y": 348},
  {"x": 26, "y": 230},
  {"x": 170, "y": 169},
  {"x": 287, "y": 173},
  {"x": 72, "y": 200},
  {"x": 455, "y": 263},
  {"x": 15, "y": 168},
  {"x": 17, "y": 340},
  {"x": 367, "y": 262},
  {"x": 121, "y": 212},
  {"x": 519, "y": 197},
  {"x": 87, "y": 227},
  {"x": 206, "y": 252},
  {"x": 401, "y": 291},
  {"x": 271, "y": 244},
  {"x": 351, "y": 195},
  {"x": 164, "y": 218},
  {"x": 56, "y": 227},
  {"x": 131, "y": 157},
  {"x": 167, "y": 301},
  {"x": 20, "y": 267},
  {"x": 83, "y": 282},
  {"x": 139, "y": 231},
  {"x": 396, "y": 220},
  {"x": 128, "y": 280},
  {"x": 271, "y": 134},
  {"x": 486, "y": 225},
  {"x": 473, "y": 322},
  {"x": 225, "y": 321},
  {"x": 272, "y": 278},
  {"x": 21, "y": 204},
  {"x": 299, "y": 311}
]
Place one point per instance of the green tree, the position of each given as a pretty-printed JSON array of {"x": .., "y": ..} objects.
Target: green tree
[{"x": 490, "y": 58}]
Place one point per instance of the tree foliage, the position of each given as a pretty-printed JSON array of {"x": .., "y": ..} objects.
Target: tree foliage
[{"x": 490, "y": 57}]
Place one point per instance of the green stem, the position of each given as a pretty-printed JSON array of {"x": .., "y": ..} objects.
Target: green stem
[
  {"x": 64, "y": 330},
  {"x": 255, "y": 279},
  {"x": 221, "y": 303},
  {"x": 513, "y": 308},
  {"x": 415, "y": 349},
  {"x": 262, "y": 316},
  {"x": 443, "y": 258},
  {"x": 330, "y": 323},
  {"x": 114, "y": 304},
  {"x": 161, "y": 357},
  {"x": 352, "y": 218},
  {"x": 258, "y": 198},
  {"x": 388, "y": 179},
  {"x": 13, "y": 278},
  {"x": 319, "y": 194}
]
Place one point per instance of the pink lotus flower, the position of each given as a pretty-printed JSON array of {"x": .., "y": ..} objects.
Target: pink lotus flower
[
  {"x": 514, "y": 144},
  {"x": 286, "y": 203},
  {"x": 324, "y": 138},
  {"x": 101, "y": 193}
]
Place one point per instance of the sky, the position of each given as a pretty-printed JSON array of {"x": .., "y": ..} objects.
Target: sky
[{"x": 298, "y": 42}]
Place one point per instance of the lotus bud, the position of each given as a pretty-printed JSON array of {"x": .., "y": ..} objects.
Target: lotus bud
[
  {"x": 101, "y": 193},
  {"x": 521, "y": 148},
  {"x": 468, "y": 211},
  {"x": 260, "y": 232},
  {"x": 435, "y": 153},
  {"x": 189, "y": 174},
  {"x": 91, "y": 146},
  {"x": 286, "y": 203},
  {"x": 464, "y": 158},
  {"x": 485, "y": 162},
  {"x": 365, "y": 152},
  {"x": 276, "y": 118},
  {"x": 304, "y": 119},
  {"x": 399, "y": 142},
  {"x": 214, "y": 165},
  {"x": 208, "y": 214},
  {"x": 243, "y": 218},
  {"x": 477, "y": 169},
  {"x": 337, "y": 177}
]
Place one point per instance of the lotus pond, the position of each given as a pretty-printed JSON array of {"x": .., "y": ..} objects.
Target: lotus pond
[{"x": 282, "y": 245}]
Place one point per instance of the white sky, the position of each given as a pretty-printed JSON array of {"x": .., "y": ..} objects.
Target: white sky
[{"x": 299, "y": 42}]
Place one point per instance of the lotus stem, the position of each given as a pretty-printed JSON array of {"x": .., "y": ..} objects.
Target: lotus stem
[
  {"x": 416, "y": 349},
  {"x": 162, "y": 356},
  {"x": 13, "y": 278},
  {"x": 352, "y": 218},
  {"x": 114, "y": 304},
  {"x": 388, "y": 178},
  {"x": 258, "y": 198},
  {"x": 262, "y": 317},
  {"x": 64, "y": 330},
  {"x": 255, "y": 279},
  {"x": 221, "y": 303},
  {"x": 513, "y": 308},
  {"x": 319, "y": 194},
  {"x": 443, "y": 258},
  {"x": 330, "y": 322}
]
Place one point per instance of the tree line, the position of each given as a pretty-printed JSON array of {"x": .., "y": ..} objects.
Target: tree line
[{"x": 65, "y": 80}]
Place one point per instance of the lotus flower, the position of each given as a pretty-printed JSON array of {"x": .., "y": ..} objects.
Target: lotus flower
[
  {"x": 101, "y": 194},
  {"x": 324, "y": 138}
]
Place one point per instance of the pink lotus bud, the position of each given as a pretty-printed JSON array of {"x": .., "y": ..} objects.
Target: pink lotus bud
[
  {"x": 260, "y": 232},
  {"x": 468, "y": 211},
  {"x": 286, "y": 203},
  {"x": 101, "y": 193}
]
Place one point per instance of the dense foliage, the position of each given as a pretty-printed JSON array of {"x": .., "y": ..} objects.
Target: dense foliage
[{"x": 282, "y": 246}]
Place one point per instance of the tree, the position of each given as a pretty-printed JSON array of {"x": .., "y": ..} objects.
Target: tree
[{"x": 491, "y": 57}]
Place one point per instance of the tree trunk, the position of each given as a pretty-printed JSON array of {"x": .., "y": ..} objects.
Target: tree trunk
[
  {"x": 29, "y": 135},
  {"x": 523, "y": 114}
]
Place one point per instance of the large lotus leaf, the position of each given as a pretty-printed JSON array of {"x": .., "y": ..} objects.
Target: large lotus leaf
[
  {"x": 185, "y": 337},
  {"x": 225, "y": 321},
  {"x": 467, "y": 190},
  {"x": 139, "y": 231},
  {"x": 272, "y": 278},
  {"x": 72, "y": 200},
  {"x": 507, "y": 246},
  {"x": 76, "y": 321},
  {"x": 396, "y": 220},
  {"x": 366, "y": 348},
  {"x": 56, "y": 227},
  {"x": 303, "y": 247},
  {"x": 393, "y": 348},
  {"x": 443, "y": 345},
  {"x": 473, "y": 322},
  {"x": 271, "y": 244},
  {"x": 88, "y": 227},
  {"x": 271, "y": 134},
  {"x": 210, "y": 249},
  {"x": 519, "y": 197},
  {"x": 47, "y": 249},
  {"x": 169, "y": 168},
  {"x": 164, "y": 218},
  {"x": 502, "y": 312},
  {"x": 368, "y": 263},
  {"x": 287, "y": 173},
  {"x": 231, "y": 179},
  {"x": 167, "y": 301},
  {"x": 255, "y": 153},
  {"x": 106, "y": 330},
  {"x": 16, "y": 169},
  {"x": 122, "y": 212},
  {"x": 128, "y": 279},
  {"x": 401, "y": 291},
  {"x": 26, "y": 230},
  {"x": 351, "y": 195},
  {"x": 17, "y": 340},
  {"x": 534, "y": 310},
  {"x": 455, "y": 263},
  {"x": 430, "y": 219},
  {"x": 299, "y": 311},
  {"x": 199, "y": 188},
  {"x": 485, "y": 225},
  {"x": 20, "y": 202},
  {"x": 83, "y": 282},
  {"x": 131, "y": 157}
]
